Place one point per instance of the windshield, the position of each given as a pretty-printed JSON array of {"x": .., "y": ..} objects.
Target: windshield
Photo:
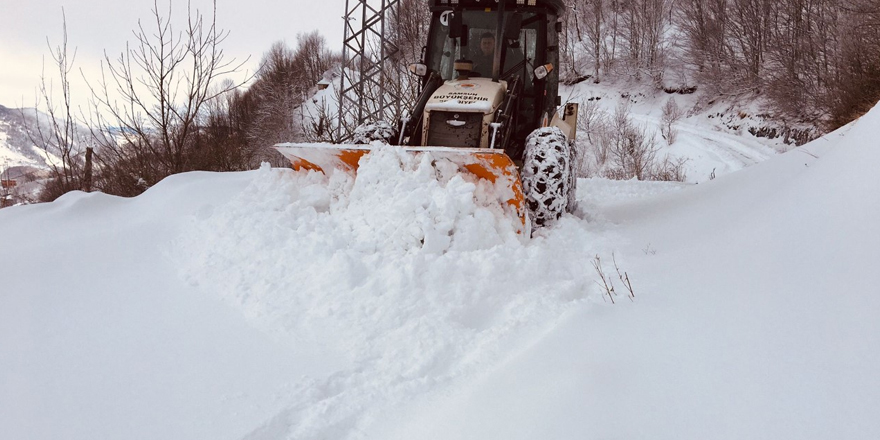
[{"x": 481, "y": 26}]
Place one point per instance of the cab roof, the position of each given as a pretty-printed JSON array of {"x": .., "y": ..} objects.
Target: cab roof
[{"x": 556, "y": 6}]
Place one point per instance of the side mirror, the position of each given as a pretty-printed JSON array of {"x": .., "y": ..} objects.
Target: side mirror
[
  {"x": 541, "y": 72},
  {"x": 418, "y": 69}
]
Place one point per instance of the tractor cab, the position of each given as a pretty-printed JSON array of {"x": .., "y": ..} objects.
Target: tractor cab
[
  {"x": 512, "y": 43},
  {"x": 476, "y": 39}
]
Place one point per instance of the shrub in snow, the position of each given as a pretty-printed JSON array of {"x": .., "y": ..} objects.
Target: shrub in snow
[
  {"x": 631, "y": 149},
  {"x": 590, "y": 153},
  {"x": 671, "y": 114},
  {"x": 374, "y": 131},
  {"x": 620, "y": 150},
  {"x": 669, "y": 170}
]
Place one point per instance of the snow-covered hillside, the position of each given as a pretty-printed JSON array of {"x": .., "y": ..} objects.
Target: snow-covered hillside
[
  {"x": 16, "y": 148},
  {"x": 715, "y": 135},
  {"x": 273, "y": 304}
]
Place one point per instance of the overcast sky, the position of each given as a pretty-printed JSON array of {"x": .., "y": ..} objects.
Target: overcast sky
[{"x": 94, "y": 26}]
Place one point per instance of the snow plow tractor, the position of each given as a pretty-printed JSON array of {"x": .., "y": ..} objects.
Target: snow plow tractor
[{"x": 489, "y": 104}]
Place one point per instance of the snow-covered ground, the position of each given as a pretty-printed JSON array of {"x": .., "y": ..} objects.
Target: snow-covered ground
[{"x": 272, "y": 304}]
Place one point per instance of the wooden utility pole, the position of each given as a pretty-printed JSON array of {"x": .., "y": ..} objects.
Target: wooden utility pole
[{"x": 87, "y": 171}]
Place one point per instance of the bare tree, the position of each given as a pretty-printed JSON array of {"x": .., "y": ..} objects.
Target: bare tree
[
  {"x": 750, "y": 31},
  {"x": 615, "y": 9},
  {"x": 278, "y": 92},
  {"x": 569, "y": 40},
  {"x": 409, "y": 24},
  {"x": 671, "y": 114},
  {"x": 856, "y": 82},
  {"x": 594, "y": 19},
  {"x": 631, "y": 149},
  {"x": 222, "y": 143},
  {"x": 285, "y": 81},
  {"x": 592, "y": 29},
  {"x": 314, "y": 57},
  {"x": 56, "y": 131},
  {"x": 813, "y": 60},
  {"x": 704, "y": 24},
  {"x": 165, "y": 78},
  {"x": 644, "y": 22}
]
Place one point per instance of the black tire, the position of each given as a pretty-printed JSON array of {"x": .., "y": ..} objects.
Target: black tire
[
  {"x": 548, "y": 176},
  {"x": 374, "y": 131}
]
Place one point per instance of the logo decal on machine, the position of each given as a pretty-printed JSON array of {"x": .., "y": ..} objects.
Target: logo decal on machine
[
  {"x": 467, "y": 86},
  {"x": 461, "y": 97}
]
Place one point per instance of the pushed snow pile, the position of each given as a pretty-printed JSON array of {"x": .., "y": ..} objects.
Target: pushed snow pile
[{"x": 406, "y": 276}]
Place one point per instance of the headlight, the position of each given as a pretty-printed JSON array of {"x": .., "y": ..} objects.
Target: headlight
[{"x": 541, "y": 72}]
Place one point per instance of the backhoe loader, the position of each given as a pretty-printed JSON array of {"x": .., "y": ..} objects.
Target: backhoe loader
[{"x": 489, "y": 104}]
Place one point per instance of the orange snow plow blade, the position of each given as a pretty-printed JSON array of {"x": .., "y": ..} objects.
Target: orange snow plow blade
[{"x": 484, "y": 163}]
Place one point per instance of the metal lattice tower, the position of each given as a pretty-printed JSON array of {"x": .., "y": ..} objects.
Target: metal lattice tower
[{"x": 366, "y": 50}]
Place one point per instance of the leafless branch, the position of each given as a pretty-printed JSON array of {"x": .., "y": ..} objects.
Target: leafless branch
[{"x": 606, "y": 283}]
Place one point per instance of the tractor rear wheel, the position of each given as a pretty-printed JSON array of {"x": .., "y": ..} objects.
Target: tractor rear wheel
[{"x": 548, "y": 176}]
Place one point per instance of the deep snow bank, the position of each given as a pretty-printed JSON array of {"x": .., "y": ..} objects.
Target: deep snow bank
[
  {"x": 756, "y": 318},
  {"x": 100, "y": 339},
  {"x": 408, "y": 276},
  {"x": 755, "y": 314}
]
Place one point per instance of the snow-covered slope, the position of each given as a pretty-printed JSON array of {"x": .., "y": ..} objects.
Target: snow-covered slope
[
  {"x": 755, "y": 317},
  {"x": 272, "y": 304},
  {"x": 98, "y": 339},
  {"x": 16, "y": 148},
  {"x": 714, "y": 133}
]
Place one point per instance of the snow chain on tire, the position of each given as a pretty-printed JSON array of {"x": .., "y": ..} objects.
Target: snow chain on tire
[{"x": 547, "y": 176}]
